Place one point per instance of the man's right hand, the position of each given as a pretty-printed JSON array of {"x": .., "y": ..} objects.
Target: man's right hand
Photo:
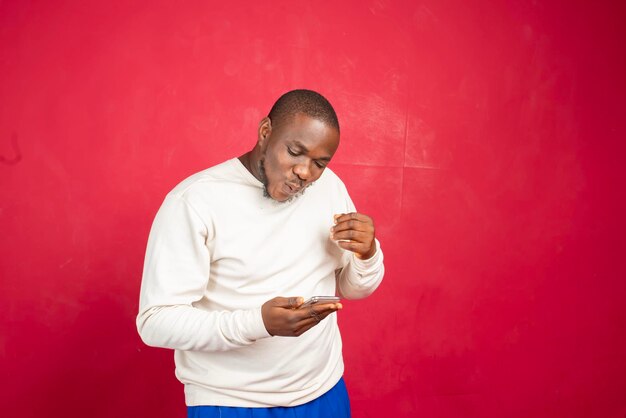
[{"x": 285, "y": 317}]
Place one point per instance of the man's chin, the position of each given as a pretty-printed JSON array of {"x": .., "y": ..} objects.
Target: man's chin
[
  {"x": 282, "y": 197},
  {"x": 278, "y": 198}
]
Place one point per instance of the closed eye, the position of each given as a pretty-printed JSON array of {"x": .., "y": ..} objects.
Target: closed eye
[{"x": 318, "y": 163}]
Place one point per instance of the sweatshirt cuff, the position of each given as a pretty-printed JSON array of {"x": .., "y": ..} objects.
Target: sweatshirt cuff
[
  {"x": 254, "y": 326},
  {"x": 363, "y": 266}
]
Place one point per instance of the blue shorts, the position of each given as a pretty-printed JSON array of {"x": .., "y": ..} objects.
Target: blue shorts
[{"x": 334, "y": 403}]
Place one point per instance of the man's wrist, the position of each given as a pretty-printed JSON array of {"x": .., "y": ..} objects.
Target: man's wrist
[{"x": 369, "y": 254}]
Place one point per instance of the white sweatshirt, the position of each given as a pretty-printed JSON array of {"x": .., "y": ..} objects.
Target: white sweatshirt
[{"x": 217, "y": 251}]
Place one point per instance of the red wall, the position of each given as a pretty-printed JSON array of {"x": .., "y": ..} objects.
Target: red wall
[{"x": 486, "y": 139}]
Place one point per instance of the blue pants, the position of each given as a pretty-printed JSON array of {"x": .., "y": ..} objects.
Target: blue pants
[{"x": 332, "y": 404}]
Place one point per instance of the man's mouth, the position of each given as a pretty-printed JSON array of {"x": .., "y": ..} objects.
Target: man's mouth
[{"x": 293, "y": 188}]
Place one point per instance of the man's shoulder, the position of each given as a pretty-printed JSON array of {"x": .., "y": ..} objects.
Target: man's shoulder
[
  {"x": 226, "y": 171},
  {"x": 331, "y": 179}
]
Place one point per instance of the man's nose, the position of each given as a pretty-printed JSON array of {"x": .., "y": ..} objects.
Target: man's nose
[{"x": 303, "y": 171}]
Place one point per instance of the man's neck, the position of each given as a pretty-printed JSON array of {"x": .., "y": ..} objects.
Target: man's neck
[{"x": 248, "y": 161}]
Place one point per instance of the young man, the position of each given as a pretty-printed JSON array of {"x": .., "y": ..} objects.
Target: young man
[{"x": 233, "y": 252}]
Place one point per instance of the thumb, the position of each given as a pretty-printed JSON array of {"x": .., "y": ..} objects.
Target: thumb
[{"x": 288, "y": 303}]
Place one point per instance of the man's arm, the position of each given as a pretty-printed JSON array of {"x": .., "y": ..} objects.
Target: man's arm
[{"x": 176, "y": 274}]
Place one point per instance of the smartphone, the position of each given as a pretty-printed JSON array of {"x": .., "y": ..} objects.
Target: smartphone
[{"x": 321, "y": 299}]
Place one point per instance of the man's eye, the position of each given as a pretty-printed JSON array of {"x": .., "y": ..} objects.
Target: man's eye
[
  {"x": 319, "y": 165},
  {"x": 293, "y": 153}
]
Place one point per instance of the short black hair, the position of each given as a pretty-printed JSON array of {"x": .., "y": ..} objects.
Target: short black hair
[{"x": 307, "y": 102}]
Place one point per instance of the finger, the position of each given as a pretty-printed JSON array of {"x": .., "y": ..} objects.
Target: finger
[
  {"x": 315, "y": 315},
  {"x": 350, "y": 222},
  {"x": 355, "y": 224},
  {"x": 325, "y": 308},
  {"x": 319, "y": 311},
  {"x": 323, "y": 314},
  {"x": 352, "y": 226},
  {"x": 308, "y": 323},
  {"x": 322, "y": 310},
  {"x": 290, "y": 302},
  {"x": 354, "y": 246},
  {"x": 295, "y": 302},
  {"x": 364, "y": 235},
  {"x": 354, "y": 216},
  {"x": 352, "y": 235}
]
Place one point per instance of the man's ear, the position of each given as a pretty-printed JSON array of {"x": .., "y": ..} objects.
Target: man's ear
[{"x": 265, "y": 130}]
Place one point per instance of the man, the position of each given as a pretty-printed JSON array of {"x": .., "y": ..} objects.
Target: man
[{"x": 233, "y": 252}]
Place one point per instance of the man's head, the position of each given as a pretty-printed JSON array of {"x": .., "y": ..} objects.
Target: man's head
[
  {"x": 295, "y": 143},
  {"x": 306, "y": 102}
]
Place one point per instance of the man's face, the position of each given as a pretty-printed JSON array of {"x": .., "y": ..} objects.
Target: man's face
[{"x": 295, "y": 154}]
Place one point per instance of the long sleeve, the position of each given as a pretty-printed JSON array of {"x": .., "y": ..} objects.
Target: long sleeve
[
  {"x": 176, "y": 274},
  {"x": 360, "y": 278}
]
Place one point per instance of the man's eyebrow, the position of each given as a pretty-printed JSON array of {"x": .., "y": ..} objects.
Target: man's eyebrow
[
  {"x": 306, "y": 150},
  {"x": 301, "y": 146}
]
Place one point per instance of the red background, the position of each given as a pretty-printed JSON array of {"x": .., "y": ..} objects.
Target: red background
[{"x": 486, "y": 138}]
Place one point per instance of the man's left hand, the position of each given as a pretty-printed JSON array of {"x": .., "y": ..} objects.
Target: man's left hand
[{"x": 355, "y": 232}]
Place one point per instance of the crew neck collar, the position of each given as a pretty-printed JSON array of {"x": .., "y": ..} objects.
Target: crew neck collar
[{"x": 245, "y": 173}]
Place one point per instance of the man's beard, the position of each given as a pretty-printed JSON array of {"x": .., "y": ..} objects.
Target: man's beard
[{"x": 265, "y": 182}]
